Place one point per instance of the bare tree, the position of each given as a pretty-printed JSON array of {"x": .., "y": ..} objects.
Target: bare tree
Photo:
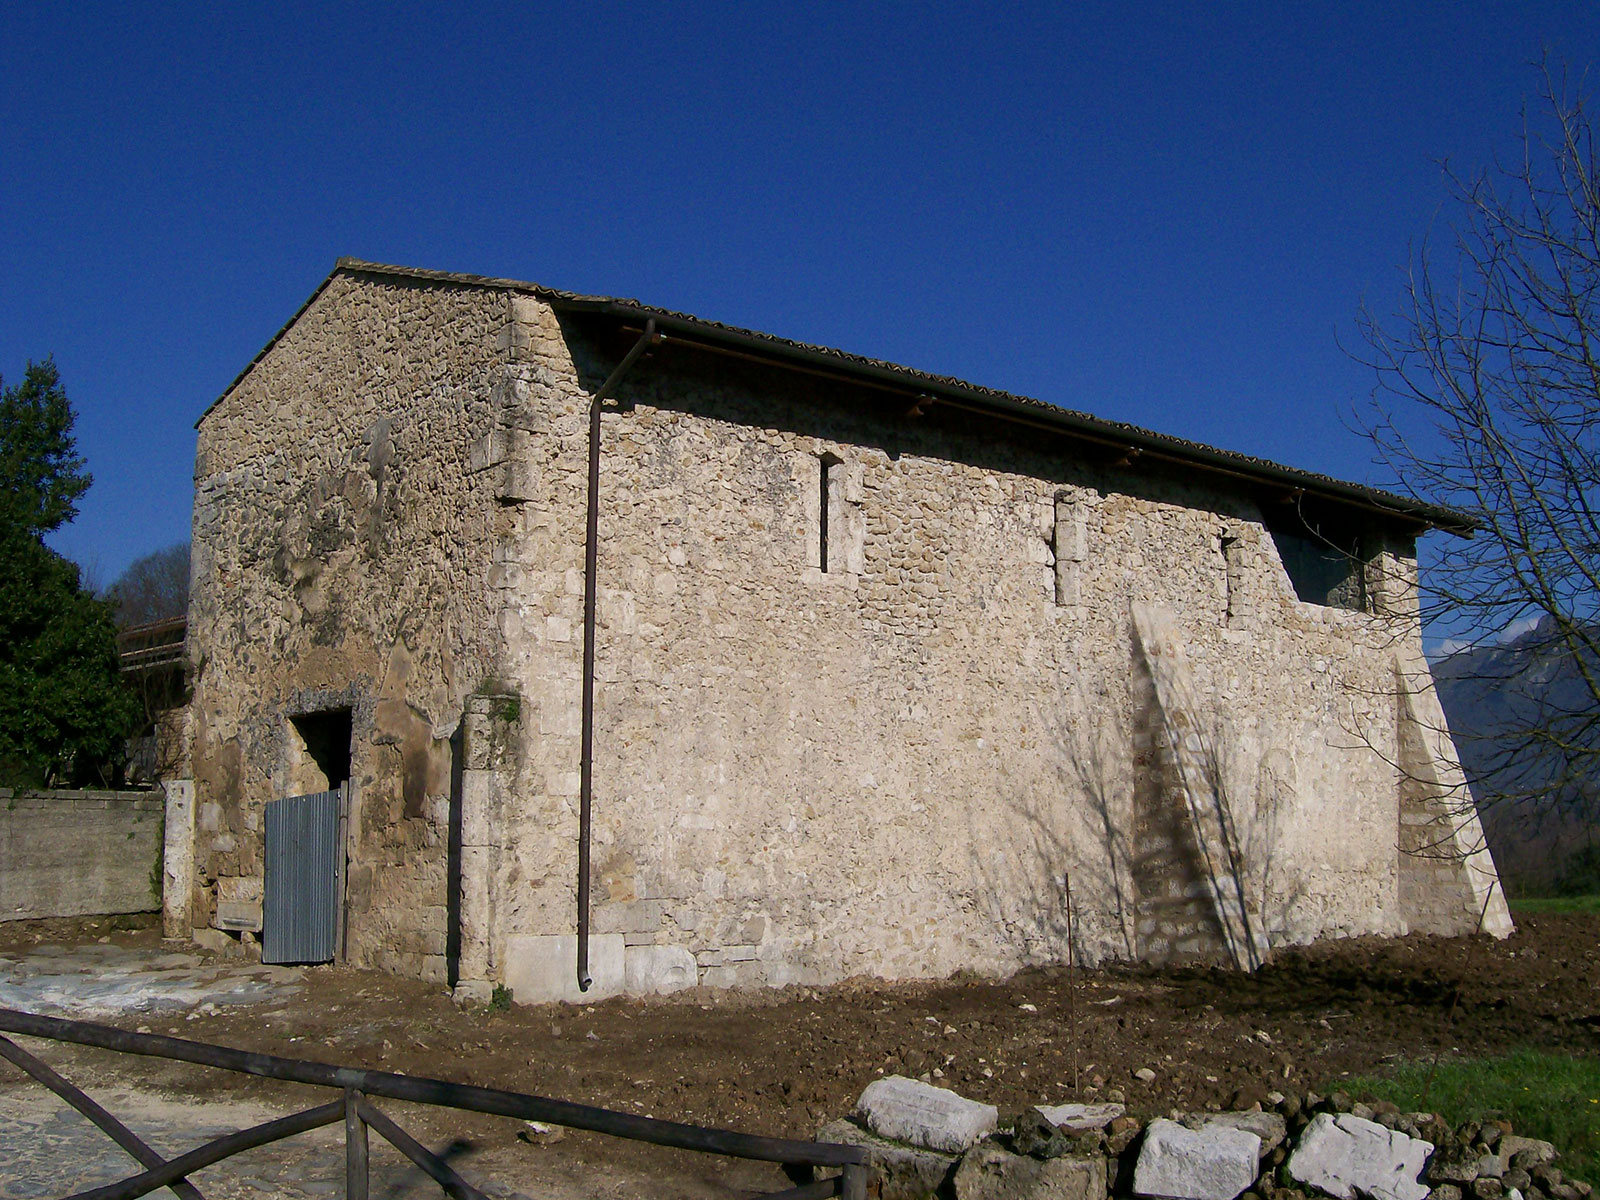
[
  {"x": 153, "y": 588},
  {"x": 1488, "y": 400}
]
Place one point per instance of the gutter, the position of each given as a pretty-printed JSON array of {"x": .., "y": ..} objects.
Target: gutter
[{"x": 591, "y": 591}]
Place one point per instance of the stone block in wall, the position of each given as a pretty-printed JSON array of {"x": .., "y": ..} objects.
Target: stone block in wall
[
  {"x": 988, "y": 1172},
  {"x": 514, "y": 339},
  {"x": 239, "y": 889},
  {"x": 1346, "y": 1156},
  {"x": 488, "y": 451},
  {"x": 739, "y": 974},
  {"x": 919, "y": 1114},
  {"x": 434, "y": 938},
  {"x": 900, "y": 1172},
  {"x": 505, "y": 575},
  {"x": 655, "y": 970},
  {"x": 636, "y": 917},
  {"x": 239, "y": 915},
  {"x": 542, "y": 968},
  {"x": 1196, "y": 1164},
  {"x": 519, "y": 483}
]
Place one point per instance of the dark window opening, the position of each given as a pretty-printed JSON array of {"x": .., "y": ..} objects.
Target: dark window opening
[
  {"x": 1327, "y": 570},
  {"x": 325, "y": 739}
]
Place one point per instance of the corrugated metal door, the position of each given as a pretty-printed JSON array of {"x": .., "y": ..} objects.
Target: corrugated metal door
[{"x": 303, "y": 881}]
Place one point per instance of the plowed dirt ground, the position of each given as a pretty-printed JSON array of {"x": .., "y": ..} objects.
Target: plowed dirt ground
[{"x": 784, "y": 1062}]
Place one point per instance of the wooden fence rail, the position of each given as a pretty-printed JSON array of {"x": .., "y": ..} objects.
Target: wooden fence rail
[{"x": 358, "y": 1113}]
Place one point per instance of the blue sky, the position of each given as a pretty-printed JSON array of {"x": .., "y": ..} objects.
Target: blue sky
[{"x": 1161, "y": 214}]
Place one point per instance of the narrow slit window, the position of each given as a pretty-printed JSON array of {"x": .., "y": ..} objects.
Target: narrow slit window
[
  {"x": 828, "y": 482},
  {"x": 1069, "y": 542}
]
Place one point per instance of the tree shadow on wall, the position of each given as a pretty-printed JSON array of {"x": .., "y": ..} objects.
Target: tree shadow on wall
[
  {"x": 1061, "y": 842},
  {"x": 1075, "y": 835},
  {"x": 1228, "y": 790}
]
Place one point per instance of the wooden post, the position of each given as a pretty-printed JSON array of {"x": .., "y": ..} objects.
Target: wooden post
[
  {"x": 853, "y": 1182},
  {"x": 355, "y": 1147}
]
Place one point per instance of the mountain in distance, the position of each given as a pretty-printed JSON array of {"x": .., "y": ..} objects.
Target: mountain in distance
[{"x": 1539, "y": 802}]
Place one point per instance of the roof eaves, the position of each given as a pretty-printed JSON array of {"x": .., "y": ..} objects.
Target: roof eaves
[
  {"x": 1050, "y": 416},
  {"x": 985, "y": 400}
]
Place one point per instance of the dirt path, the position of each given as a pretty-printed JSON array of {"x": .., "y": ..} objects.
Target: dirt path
[{"x": 784, "y": 1062}]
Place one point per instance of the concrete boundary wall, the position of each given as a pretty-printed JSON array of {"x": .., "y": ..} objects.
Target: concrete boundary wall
[{"x": 74, "y": 854}]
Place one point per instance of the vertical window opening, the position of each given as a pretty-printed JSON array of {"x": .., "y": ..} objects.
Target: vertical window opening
[
  {"x": 1230, "y": 569},
  {"x": 828, "y": 480}
]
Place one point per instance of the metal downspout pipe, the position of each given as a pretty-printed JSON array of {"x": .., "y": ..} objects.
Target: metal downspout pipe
[{"x": 591, "y": 549}]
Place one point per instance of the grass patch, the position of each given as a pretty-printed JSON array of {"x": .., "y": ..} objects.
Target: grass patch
[
  {"x": 1551, "y": 1096},
  {"x": 1557, "y": 904}
]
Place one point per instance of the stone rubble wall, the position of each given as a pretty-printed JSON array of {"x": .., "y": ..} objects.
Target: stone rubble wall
[
  {"x": 922, "y": 1141},
  {"x": 78, "y": 853},
  {"x": 894, "y": 767},
  {"x": 894, "y": 759},
  {"x": 341, "y": 548}
]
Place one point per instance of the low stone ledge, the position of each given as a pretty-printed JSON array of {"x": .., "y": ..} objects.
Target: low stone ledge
[
  {"x": 899, "y": 1172},
  {"x": 988, "y": 1172}
]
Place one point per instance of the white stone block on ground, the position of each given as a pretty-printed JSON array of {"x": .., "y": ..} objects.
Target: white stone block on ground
[
  {"x": 920, "y": 1114},
  {"x": 1344, "y": 1155},
  {"x": 1270, "y": 1127},
  {"x": 901, "y": 1172},
  {"x": 541, "y": 968},
  {"x": 989, "y": 1173},
  {"x": 1081, "y": 1118},
  {"x": 1215, "y": 1163},
  {"x": 656, "y": 970}
]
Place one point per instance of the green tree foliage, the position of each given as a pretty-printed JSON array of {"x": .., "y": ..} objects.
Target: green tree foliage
[
  {"x": 64, "y": 713},
  {"x": 41, "y": 474}
]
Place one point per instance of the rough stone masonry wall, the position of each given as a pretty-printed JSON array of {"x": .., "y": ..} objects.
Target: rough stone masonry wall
[
  {"x": 896, "y": 766},
  {"x": 342, "y": 540}
]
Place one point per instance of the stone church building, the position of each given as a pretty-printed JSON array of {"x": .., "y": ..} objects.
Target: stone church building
[{"x": 636, "y": 649}]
